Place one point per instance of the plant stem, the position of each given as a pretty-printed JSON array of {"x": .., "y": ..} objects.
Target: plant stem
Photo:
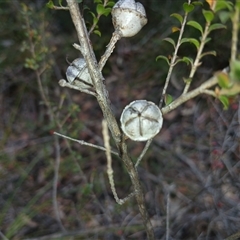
[
  {"x": 172, "y": 64},
  {"x": 235, "y": 23},
  {"x": 96, "y": 75},
  {"x": 104, "y": 103},
  {"x": 110, "y": 47},
  {"x": 198, "y": 57},
  {"x": 183, "y": 98},
  {"x": 138, "y": 191}
]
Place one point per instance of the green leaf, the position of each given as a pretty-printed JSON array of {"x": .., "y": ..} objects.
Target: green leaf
[
  {"x": 50, "y": 4},
  {"x": 107, "y": 11},
  {"x": 170, "y": 40},
  {"x": 164, "y": 58},
  {"x": 223, "y": 5},
  {"x": 168, "y": 99},
  {"x": 110, "y": 4},
  {"x": 187, "y": 60},
  {"x": 191, "y": 40},
  {"x": 93, "y": 14},
  {"x": 197, "y": 3},
  {"x": 224, "y": 16},
  {"x": 187, "y": 80},
  {"x": 98, "y": 1},
  {"x": 100, "y": 9},
  {"x": 95, "y": 19},
  {"x": 216, "y": 26},
  {"x": 235, "y": 71},
  {"x": 208, "y": 53},
  {"x": 224, "y": 100},
  {"x": 206, "y": 40},
  {"x": 237, "y": 5},
  {"x": 224, "y": 80},
  {"x": 97, "y": 32},
  {"x": 188, "y": 7},
  {"x": 208, "y": 15},
  {"x": 195, "y": 25},
  {"x": 177, "y": 16}
]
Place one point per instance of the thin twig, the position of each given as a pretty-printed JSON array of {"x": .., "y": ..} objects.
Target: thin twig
[
  {"x": 198, "y": 57},
  {"x": 235, "y": 29},
  {"x": 168, "y": 216},
  {"x": 60, "y": 8},
  {"x": 110, "y": 172},
  {"x": 110, "y": 47},
  {"x": 183, "y": 98},
  {"x": 104, "y": 103},
  {"x": 143, "y": 152},
  {"x": 85, "y": 143},
  {"x": 174, "y": 57},
  {"x": 64, "y": 83},
  {"x": 55, "y": 184},
  {"x": 210, "y": 93},
  {"x": 44, "y": 97},
  {"x": 96, "y": 75}
]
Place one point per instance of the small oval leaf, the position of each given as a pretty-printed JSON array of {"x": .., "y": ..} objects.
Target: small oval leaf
[
  {"x": 178, "y": 17},
  {"x": 235, "y": 71},
  {"x": 188, "y": 7},
  {"x": 224, "y": 80},
  {"x": 97, "y": 32},
  {"x": 168, "y": 99},
  {"x": 107, "y": 11},
  {"x": 195, "y": 25},
  {"x": 50, "y": 4},
  {"x": 224, "y": 100},
  {"x": 208, "y": 15},
  {"x": 187, "y": 60},
  {"x": 164, "y": 58},
  {"x": 100, "y": 9},
  {"x": 110, "y": 4},
  {"x": 191, "y": 40},
  {"x": 206, "y": 40},
  {"x": 223, "y": 5},
  {"x": 170, "y": 40},
  {"x": 208, "y": 53},
  {"x": 197, "y": 3},
  {"x": 224, "y": 16},
  {"x": 216, "y": 26}
]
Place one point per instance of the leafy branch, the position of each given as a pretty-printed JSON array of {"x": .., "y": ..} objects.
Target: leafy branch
[
  {"x": 188, "y": 8},
  {"x": 100, "y": 92},
  {"x": 104, "y": 103}
]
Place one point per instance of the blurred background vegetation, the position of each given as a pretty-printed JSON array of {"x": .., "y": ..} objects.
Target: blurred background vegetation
[{"x": 195, "y": 157}]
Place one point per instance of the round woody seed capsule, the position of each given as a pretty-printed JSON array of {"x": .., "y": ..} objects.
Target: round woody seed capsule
[
  {"x": 141, "y": 120},
  {"x": 77, "y": 74},
  {"x": 128, "y": 17}
]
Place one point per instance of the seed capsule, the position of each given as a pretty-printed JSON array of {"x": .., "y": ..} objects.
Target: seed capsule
[
  {"x": 77, "y": 74},
  {"x": 141, "y": 120},
  {"x": 128, "y": 17}
]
